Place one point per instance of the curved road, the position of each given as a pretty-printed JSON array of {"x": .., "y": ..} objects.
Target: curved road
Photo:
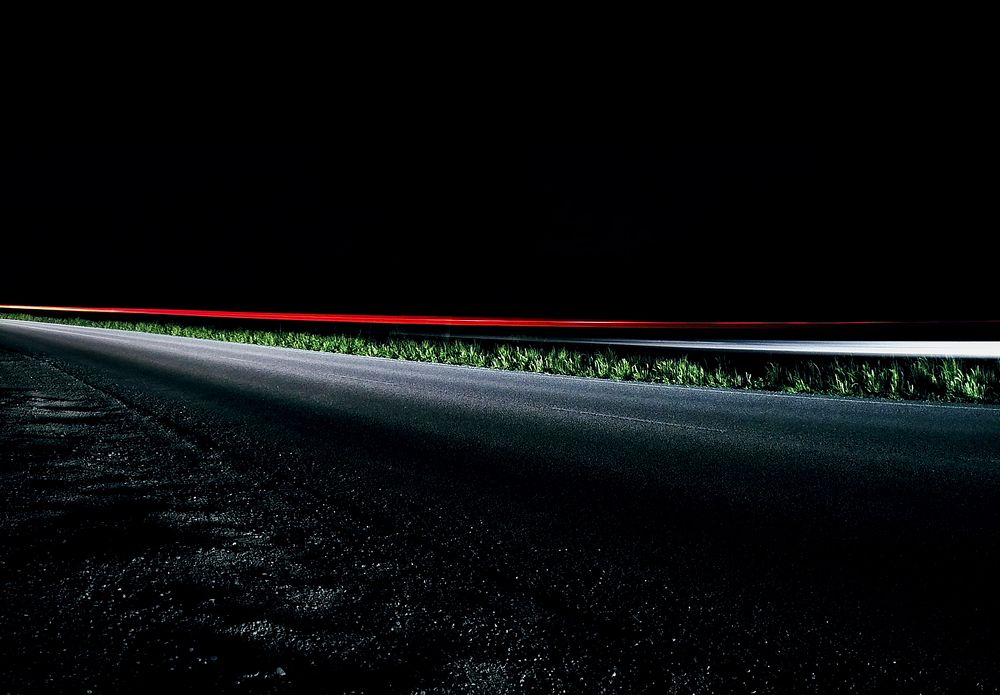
[{"x": 281, "y": 519}]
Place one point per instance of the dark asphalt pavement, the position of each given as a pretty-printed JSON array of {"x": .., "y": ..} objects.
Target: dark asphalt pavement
[{"x": 185, "y": 513}]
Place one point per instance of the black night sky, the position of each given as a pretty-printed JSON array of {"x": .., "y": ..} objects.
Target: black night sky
[{"x": 482, "y": 226}]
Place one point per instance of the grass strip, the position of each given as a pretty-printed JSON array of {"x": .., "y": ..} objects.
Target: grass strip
[{"x": 927, "y": 379}]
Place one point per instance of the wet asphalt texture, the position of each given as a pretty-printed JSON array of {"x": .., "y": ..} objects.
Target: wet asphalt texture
[{"x": 186, "y": 515}]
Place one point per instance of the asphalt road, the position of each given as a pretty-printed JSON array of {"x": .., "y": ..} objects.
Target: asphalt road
[{"x": 185, "y": 513}]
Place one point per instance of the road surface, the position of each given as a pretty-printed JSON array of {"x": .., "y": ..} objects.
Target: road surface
[{"x": 197, "y": 514}]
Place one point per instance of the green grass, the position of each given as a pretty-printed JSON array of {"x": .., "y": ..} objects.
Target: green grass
[{"x": 927, "y": 379}]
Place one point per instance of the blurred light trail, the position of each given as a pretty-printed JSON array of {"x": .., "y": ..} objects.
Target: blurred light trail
[
  {"x": 966, "y": 349},
  {"x": 490, "y": 322}
]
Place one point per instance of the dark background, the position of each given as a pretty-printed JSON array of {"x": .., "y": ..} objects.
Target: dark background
[{"x": 473, "y": 224}]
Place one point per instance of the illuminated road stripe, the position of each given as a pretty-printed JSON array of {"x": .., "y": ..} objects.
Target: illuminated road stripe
[{"x": 638, "y": 419}]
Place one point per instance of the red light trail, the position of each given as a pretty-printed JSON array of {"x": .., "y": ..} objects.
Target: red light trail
[{"x": 488, "y": 322}]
